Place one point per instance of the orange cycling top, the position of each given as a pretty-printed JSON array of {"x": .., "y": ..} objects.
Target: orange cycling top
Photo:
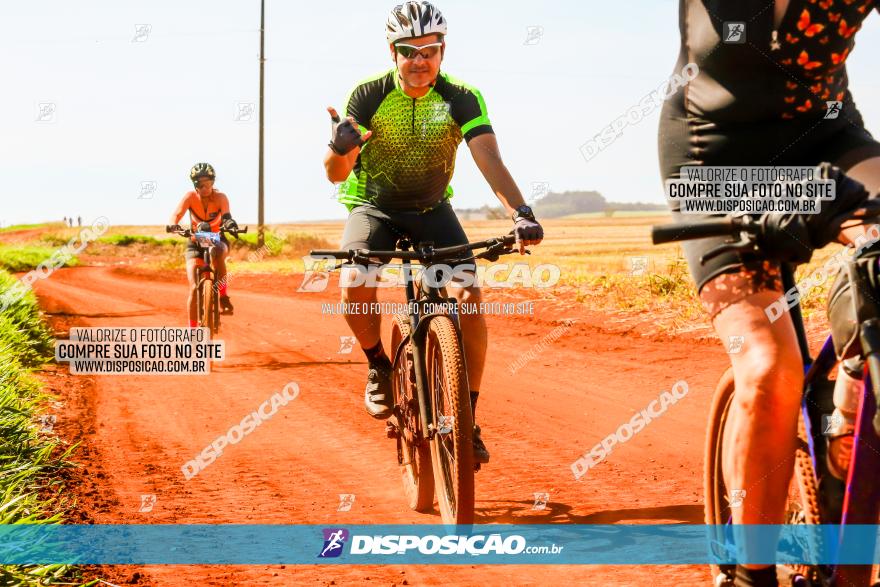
[{"x": 210, "y": 213}]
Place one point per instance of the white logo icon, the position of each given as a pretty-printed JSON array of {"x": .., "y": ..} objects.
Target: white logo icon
[
  {"x": 46, "y": 112},
  {"x": 439, "y": 111},
  {"x": 47, "y": 422},
  {"x": 147, "y": 502},
  {"x": 315, "y": 277},
  {"x": 832, "y": 109},
  {"x": 540, "y": 189},
  {"x": 141, "y": 32},
  {"x": 346, "y": 344},
  {"x": 445, "y": 424},
  {"x": 832, "y": 424},
  {"x": 148, "y": 190},
  {"x": 534, "y": 34},
  {"x": 734, "y": 32},
  {"x": 346, "y": 500},
  {"x": 638, "y": 266},
  {"x": 736, "y": 497},
  {"x": 244, "y": 112},
  {"x": 735, "y": 344},
  {"x": 541, "y": 501}
]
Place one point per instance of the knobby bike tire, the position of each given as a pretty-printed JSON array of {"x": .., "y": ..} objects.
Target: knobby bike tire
[
  {"x": 452, "y": 451},
  {"x": 802, "y": 505},
  {"x": 206, "y": 309},
  {"x": 414, "y": 458}
]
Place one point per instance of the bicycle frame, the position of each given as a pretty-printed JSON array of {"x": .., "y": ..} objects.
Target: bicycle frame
[
  {"x": 205, "y": 272},
  {"x": 861, "y": 499}
]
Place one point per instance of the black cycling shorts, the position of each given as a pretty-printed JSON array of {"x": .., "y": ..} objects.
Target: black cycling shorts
[
  {"x": 687, "y": 140},
  {"x": 194, "y": 251},
  {"x": 369, "y": 227}
]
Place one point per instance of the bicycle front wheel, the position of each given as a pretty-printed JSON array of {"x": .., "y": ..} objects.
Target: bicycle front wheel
[
  {"x": 452, "y": 448},
  {"x": 413, "y": 453},
  {"x": 802, "y": 506},
  {"x": 207, "y": 313}
]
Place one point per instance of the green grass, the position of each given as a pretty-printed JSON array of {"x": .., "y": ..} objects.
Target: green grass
[
  {"x": 15, "y": 227},
  {"x": 30, "y": 460},
  {"x": 278, "y": 242},
  {"x": 24, "y": 258},
  {"x": 125, "y": 240}
]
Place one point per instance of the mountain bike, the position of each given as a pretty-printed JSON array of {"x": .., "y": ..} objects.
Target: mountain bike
[
  {"x": 815, "y": 496},
  {"x": 432, "y": 420},
  {"x": 207, "y": 301}
]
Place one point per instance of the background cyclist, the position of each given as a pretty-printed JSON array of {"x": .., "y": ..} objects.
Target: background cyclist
[{"x": 205, "y": 204}]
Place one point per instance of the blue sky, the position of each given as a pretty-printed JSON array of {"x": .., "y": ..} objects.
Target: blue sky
[{"x": 131, "y": 112}]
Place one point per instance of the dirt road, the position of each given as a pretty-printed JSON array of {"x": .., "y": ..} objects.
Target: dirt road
[{"x": 137, "y": 431}]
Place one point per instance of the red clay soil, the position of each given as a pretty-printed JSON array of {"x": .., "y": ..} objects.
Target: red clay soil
[{"x": 137, "y": 431}]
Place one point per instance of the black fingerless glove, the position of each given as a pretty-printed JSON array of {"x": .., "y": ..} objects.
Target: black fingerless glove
[
  {"x": 228, "y": 223},
  {"x": 344, "y": 137}
]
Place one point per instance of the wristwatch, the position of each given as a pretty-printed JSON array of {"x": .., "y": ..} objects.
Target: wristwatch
[{"x": 523, "y": 211}]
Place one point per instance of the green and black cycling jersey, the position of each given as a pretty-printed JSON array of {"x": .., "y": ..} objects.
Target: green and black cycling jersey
[{"x": 408, "y": 161}]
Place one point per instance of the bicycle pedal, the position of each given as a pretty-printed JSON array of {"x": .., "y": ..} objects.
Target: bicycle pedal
[{"x": 391, "y": 430}]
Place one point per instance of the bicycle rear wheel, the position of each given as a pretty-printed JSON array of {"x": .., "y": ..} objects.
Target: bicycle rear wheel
[
  {"x": 802, "y": 506},
  {"x": 452, "y": 448},
  {"x": 413, "y": 452}
]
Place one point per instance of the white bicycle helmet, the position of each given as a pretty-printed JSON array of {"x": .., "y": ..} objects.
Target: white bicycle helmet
[{"x": 414, "y": 19}]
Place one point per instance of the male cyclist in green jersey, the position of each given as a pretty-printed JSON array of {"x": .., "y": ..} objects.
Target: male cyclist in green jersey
[{"x": 395, "y": 150}]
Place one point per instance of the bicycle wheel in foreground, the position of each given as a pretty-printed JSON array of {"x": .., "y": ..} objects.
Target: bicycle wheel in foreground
[
  {"x": 802, "y": 505},
  {"x": 452, "y": 449},
  {"x": 413, "y": 454},
  {"x": 207, "y": 316}
]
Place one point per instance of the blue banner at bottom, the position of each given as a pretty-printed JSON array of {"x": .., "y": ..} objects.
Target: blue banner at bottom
[{"x": 657, "y": 544}]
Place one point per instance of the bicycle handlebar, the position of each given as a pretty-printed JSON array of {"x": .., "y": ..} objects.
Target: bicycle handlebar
[
  {"x": 494, "y": 246},
  {"x": 186, "y": 232},
  {"x": 668, "y": 233}
]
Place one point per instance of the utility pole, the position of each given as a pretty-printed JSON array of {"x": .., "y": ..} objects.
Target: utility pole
[{"x": 260, "y": 218}]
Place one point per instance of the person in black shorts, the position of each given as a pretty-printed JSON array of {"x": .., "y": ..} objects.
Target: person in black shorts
[
  {"x": 778, "y": 97},
  {"x": 205, "y": 206},
  {"x": 394, "y": 152}
]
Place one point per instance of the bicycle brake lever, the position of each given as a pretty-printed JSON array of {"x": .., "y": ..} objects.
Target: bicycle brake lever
[{"x": 743, "y": 244}]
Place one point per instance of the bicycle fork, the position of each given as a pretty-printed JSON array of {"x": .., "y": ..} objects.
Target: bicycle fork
[{"x": 418, "y": 343}]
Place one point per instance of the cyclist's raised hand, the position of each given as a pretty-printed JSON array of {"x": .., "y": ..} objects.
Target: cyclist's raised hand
[{"x": 345, "y": 134}]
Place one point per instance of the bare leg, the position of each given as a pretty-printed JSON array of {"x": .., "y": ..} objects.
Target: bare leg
[
  {"x": 473, "y": 328},
  {"x": 366, "y": 327},
  {"x": 192, "y": 279},
  {"x": 762, "y": 431},
  {"x": 218, "y": 260}
]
